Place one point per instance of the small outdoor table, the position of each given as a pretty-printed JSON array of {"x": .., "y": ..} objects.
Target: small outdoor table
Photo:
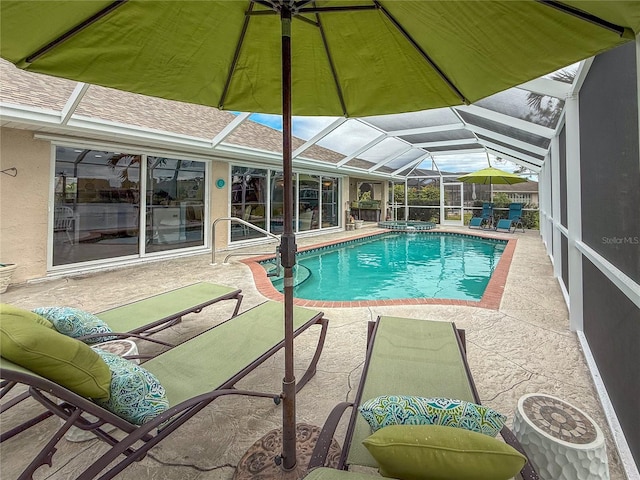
[
  {"x": 562, "y": 442},
  {"x": 122, "y": 348}
]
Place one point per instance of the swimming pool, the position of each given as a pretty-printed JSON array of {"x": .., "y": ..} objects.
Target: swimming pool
[{"x": 397, "y": 265}]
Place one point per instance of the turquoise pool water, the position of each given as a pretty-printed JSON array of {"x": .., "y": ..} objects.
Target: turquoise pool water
[{"x": 397, "y": 265}]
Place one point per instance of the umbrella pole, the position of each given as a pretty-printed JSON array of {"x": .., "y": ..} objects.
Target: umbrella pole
[{"x": 288, "y": 254}]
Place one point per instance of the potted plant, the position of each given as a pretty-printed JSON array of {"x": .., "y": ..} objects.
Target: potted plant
[{"x": 6, "y": 270}]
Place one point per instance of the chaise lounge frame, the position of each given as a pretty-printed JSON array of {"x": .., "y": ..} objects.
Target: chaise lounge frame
[
  {"x": 142, "y": 318},
  {"x": 260, "y": 328},
  {"x": 163, "y": 310},
  {"x": 356, "y": 432}
]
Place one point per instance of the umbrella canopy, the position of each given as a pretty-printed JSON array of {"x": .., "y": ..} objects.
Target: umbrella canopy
[
  {"x": 349, "y": 57},
  {"x": 491, "y": 176},
  {"x": 339, "y": 57}
]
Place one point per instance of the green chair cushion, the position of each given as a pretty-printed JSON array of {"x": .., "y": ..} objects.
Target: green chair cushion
[
  {"x": 325, "y": 473},
  {"x": 435, "y": 452},
  {"x": 388, "y": 410},
  {"x": 7, "y": 311},
  {"x": 31, "y": 342}
]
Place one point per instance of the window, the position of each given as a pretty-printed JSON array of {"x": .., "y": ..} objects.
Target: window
[{"x": 316, "y": 201}]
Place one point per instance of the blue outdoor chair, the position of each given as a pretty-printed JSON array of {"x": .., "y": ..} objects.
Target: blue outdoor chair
[
  {"x": 513, "y": 221},
  {"x": 485, "y": 218}
]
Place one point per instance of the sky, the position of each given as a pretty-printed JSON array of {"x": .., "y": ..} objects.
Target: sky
[{"x": 350, "y": 136}]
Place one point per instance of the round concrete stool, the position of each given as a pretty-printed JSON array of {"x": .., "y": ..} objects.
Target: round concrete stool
[
  {"x": 118, "y": 347},
  {"x": 562, "y": 442}
]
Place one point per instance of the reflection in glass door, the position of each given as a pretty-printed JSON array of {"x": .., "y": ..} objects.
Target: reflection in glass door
[
  {"x": 175, "y": 204},
  {"x": 249, "y": 188},
  {"x": 452, "y": 201},
  {"x": 329, "y": 202},
  {"x": 308, "y": 202},
  {"x": 96, "y": 205}
]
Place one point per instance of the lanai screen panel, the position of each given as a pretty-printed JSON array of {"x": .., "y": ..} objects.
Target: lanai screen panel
[
  {"x": 565, "y": 75},
  {"x": 405, "y": 159},
  {"x": 441, "y": 136},
  {"x": 386, "y": 149},
  {"x": 457, "y": 148},
  {"x": 349, "y": 137},
  {"x": 425, "y": 118},
  {"x": 610, "y": 200},
  {"x": 512, "y": 147},
  {"x": 609, "y": 154},
  {"x": 502, "y": 129},
  {"x": 543, "y": 110}
]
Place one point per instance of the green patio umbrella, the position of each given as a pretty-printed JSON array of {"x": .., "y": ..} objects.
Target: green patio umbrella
[
  {"x": 491, "y": 176},
  {"x": 342, "y": 57}
]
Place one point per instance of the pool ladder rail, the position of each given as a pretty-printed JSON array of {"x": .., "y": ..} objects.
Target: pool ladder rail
[{"x": 273, "y": 273}]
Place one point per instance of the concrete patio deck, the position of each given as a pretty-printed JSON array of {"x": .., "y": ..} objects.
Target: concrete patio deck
[{"x": 524, "y": 346}]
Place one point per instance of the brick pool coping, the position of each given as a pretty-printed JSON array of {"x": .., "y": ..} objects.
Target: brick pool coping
[{"x": 490, "y": 299}]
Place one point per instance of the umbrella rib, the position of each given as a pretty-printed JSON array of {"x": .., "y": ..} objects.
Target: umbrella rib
[
  {"x": 269, "y": 4},
  {"x": 343, "y": 8},
  {"x": 334, "y": 73},
  {"x": 73, "y": 31},
  {"x": 424, "y": 54},
  {"x": 584, "y": 16},
  {"x": 236, "y": 56}
]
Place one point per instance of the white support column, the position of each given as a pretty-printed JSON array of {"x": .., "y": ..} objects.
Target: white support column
[
  {"x": 406, "y": 200},
  {"x": 555, "y": 208},
  {"x": 544, "y": 207},
  {"x": 441, "y": 200},
  {"x": 574, "y": 212},
  {"x": 542, "y": 210}
]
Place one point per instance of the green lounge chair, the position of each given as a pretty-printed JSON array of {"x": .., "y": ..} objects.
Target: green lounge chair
[
  {"x": 155, "y": 313},
  {"x": 404, "y": 357},
  {"x": 150, "y": 315},
  {"x": 194, "y": 374}
]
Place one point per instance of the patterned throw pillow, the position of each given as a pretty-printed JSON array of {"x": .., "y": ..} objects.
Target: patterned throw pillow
[
  {"x": 136, "y": 394},
  {"x": 75, "y": 323},
  {"x": 408, "y": 410}
]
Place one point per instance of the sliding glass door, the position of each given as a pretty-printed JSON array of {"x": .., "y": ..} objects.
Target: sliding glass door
[{"x": 100, "y": 214}]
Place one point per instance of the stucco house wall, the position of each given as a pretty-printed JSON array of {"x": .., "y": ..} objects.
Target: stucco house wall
[{"x": 24, "y": 203}]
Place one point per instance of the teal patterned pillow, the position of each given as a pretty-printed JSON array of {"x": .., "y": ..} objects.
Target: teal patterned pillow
[
  {"x": 136, "y": 394},
  {"x": 75, "y": 323},
  {"x": 407, "y": 410}
]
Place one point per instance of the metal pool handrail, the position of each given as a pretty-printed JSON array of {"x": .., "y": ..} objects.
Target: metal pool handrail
[{"x": 242, "y": 222}]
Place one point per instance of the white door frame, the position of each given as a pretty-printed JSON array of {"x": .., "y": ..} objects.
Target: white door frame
[{"x": 443, "y": 207}]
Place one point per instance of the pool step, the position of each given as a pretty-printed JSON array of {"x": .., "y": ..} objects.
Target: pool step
[{"x": 300, "y": 274}]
